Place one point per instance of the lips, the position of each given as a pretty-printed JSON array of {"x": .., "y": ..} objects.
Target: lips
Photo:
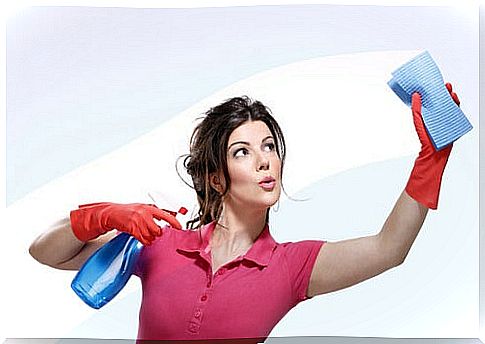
[{"x": 267, "y": 183}]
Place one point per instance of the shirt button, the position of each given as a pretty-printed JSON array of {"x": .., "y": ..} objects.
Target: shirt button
[
  {"x": 197, "y": 314},
  {"x": 203, "y": 298},
  {"x": 192, "y": 328}
]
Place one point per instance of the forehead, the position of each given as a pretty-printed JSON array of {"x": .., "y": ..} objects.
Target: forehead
[{"x": 250, "y": 131}]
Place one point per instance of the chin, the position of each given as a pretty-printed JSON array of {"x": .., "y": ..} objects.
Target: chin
[
  {"x": 271, "y": 202},
  {"x": 274, "y": 202},
  {"x": 263, "y": 204}
]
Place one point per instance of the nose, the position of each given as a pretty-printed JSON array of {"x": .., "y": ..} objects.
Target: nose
[{"x": 263, "y": 162}]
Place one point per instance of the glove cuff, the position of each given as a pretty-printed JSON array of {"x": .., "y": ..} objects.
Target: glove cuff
[
  {"x": 424, "y": 183},
  {"x": 86, "y": 221}
]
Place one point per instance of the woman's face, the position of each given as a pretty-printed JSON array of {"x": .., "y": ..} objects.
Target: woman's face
[{"x": 254, "y": 167}]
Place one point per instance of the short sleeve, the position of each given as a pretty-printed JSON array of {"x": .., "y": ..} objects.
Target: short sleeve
[{"x": 300, "y": 258}]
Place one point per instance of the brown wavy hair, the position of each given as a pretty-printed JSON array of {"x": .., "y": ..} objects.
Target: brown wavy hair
[{"x": 208, "y": 151}]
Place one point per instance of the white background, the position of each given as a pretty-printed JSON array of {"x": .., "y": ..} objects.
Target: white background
[{"x": 434, "y": 294}]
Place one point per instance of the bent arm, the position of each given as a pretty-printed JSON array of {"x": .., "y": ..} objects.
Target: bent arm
[
  {"x": 346, "y": 263},
  {"x": 59, "y": 248}
]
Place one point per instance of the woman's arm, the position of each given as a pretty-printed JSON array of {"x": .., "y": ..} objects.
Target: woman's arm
[
  {"x": 345, "y": 263},
  {"x": 59, "y": 248},
  {"x": 348, "y": 262},
  {"x": 71, "y": 241}
]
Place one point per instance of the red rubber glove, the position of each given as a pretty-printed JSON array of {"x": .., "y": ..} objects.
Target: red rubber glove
[
  {"x": 425, "y": 180},
  {"x": 91, "y": 220}
]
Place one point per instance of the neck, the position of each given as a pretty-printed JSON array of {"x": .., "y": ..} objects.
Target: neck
[{"x": 236, "y": 230}]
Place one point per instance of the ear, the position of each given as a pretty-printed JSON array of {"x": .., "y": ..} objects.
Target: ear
[{"x": 216, "y": 181}]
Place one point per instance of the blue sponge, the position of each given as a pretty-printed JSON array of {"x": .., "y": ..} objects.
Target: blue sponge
[{"x": 443, "y": 119}]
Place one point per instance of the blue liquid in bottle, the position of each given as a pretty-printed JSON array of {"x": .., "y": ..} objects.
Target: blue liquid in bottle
[{"x": 107, "y": 271}]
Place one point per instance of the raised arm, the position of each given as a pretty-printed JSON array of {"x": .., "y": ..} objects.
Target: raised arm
[{"x": 348, "y": 262}]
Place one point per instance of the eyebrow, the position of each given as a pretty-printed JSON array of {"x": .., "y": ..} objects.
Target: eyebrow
[{"x": 247, "y": 143}]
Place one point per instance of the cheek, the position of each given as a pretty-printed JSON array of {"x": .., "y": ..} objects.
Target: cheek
[
  {"x": 277, "y": 167},
  {"x": 238, "y": 174}
]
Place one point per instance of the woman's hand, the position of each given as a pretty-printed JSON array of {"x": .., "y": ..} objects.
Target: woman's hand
[
  {"x": 92, "y": 220},
  {"x": 425, "y": 180}
]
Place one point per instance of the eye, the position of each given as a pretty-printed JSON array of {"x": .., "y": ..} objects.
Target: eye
[
  {"x": 240, "y": 152},
  {"x": 269, "y": 147}
]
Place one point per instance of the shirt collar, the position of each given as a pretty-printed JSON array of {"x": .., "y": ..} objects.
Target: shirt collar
[{"x": 260, "y": 252}]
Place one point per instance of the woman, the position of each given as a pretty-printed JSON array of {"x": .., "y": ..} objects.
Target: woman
[{"x": 228, "y": 278}]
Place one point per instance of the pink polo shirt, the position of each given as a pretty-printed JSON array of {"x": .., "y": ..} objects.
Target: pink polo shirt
[{"x": 184, "y": 300}]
